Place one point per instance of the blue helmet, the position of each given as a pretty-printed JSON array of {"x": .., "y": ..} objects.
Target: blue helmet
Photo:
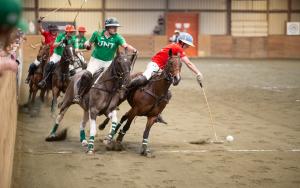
[{"x": 186, "y": 38}]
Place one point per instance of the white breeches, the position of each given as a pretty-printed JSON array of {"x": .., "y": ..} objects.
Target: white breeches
[
  {"x": 55, "y": 58},
  {"x": 96, "y": 64},
  {"x": 151, "y": 68}
]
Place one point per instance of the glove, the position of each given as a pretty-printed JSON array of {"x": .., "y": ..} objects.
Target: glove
[
  {"x": 199, "y": 78},
  {"x": 88, "y": 47},
  {"x": 65, "y": 41}
]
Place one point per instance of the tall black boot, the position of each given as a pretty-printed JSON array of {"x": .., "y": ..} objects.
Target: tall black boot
[
  {"x": 31, "y": 70},
  {"x": 48, "y": 69},
  {"x": 138, "y": 81},
  {"x": 85, "y": 84}
]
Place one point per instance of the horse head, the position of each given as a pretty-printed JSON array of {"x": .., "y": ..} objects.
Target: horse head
[
  {"x": 69, "y": 54},
  {"x": 44, "y": 53},
  {"x": 123, "y": 64},
  {"x": 173, "y": 68}
]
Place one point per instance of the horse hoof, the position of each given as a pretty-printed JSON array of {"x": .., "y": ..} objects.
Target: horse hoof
[
  {"x": 110, "y": 146},
  {"x": 147, "y": 153},
  {"x": 90, "y": 152},
  {"x": 57, "y": 137},
  {"x": 118, "y": 146},
  {"x": 51, "y": 137},
  {"x": 84, "y": 143},
  {"x": 107, "y": 140}
]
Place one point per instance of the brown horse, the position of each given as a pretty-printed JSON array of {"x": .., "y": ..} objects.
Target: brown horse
[
  {"x": 101, "y": 99},
  {"x": 150, "y": 101},
  {"x": 43, "y": 57},
  {"x": 60, "y": 75}
]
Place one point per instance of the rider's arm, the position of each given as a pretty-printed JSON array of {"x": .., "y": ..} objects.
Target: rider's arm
[
  {"x": 41, "y": 27},
  {"x": 58, "y": 41},
  {"x": 129, "y": 47},
  {"x": 191, "y": 66},
  {"x": 92, "y": 40}
]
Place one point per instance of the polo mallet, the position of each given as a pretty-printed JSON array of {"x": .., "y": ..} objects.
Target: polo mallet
[
  {"x": 216, "y": 141},
  {"x": 35, "y": 45},
  {"x": 55, "y": 10},
  {"x": 83, "y": 2}
]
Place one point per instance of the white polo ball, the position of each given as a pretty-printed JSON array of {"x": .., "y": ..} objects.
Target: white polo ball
[{"x": 229, "y": 138}]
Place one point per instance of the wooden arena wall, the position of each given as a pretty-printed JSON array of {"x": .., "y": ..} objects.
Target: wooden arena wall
[
  {"x": 249, "y": 47},
  {"x": 8, "y": 123}
]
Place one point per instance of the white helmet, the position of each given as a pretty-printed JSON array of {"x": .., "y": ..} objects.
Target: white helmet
[{"x": 186, "y": 38}]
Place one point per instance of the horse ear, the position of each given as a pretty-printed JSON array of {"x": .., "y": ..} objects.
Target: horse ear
[{"x": 170, "y": 53}]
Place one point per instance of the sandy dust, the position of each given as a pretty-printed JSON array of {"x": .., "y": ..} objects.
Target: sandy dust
[{"x": 258, "y": 102}]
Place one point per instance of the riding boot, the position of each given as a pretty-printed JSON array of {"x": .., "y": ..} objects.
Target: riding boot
[
  {"x": 85, "y": 83},
  {"x": 138, "y": 81},
  {"x": 48, "y": 69},
  {"x": 32, "y": 69}
]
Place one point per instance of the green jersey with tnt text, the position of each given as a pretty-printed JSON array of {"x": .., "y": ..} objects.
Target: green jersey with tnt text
[
  {"x": 81, "y": 41},
  {"x": 59, "y": 49},
  {"x": 105, "y": 48}
]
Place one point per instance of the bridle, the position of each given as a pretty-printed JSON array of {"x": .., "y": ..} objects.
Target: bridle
[
  {"x": 166, "y": 74},
  {"x": 118, "y": 75}
]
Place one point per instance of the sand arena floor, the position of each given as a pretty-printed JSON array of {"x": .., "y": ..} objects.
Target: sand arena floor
[{"x": 256, "y": 101}]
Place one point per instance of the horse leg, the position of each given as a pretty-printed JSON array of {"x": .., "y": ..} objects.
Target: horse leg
[
  {"x": 29, "y": 99},
  {"x": 103, "y": 124},
  {"x": 130, "y": 116},
  {"x": 42, "y": 95},
  {"x": 93, "y": 130},
  {"x": 62, "y": 136},
  {"x": 34, "y": 92},
  {"x": 144, "y": 150},
  {"x": 55, "y": 93},
  {"x": 84, "y": 120}
]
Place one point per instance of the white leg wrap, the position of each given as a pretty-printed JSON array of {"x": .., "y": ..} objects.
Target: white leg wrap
[
  {"x": 113, "y": 116},
  {"x": 36, "y": 62},
  {"x": 93, "y": 129}
]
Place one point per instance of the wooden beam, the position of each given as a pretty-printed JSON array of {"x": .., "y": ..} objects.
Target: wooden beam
[
  {"x": 103, "y": 12},
  {"x": 289, "y": 10},
  {"x": 229, "y": 11},
  {"x": 159, "y": 10},
  {"x": 268, "y": 12},
  {"x": 36, "y": 14}
]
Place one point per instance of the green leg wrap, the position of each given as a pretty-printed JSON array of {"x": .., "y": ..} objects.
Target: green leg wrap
[
  {"x": 91, "y": 143},
  {"x": 82, "y": 135},
  {"x": 113, "y": 129},
  {"x": 54, "y": 129}
]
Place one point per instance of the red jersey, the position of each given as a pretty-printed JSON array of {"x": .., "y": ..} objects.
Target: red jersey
[
  {"x": 49, "y": 39},
  {"x": 162, "y": 56}
]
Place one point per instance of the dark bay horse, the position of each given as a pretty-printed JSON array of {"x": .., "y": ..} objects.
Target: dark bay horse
[
  {"x": 60, "y": 75},
  {"x": 102, "y": 98},
  {"x": 43, "y": 57},
  {"x": 150, "y": 101}
]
